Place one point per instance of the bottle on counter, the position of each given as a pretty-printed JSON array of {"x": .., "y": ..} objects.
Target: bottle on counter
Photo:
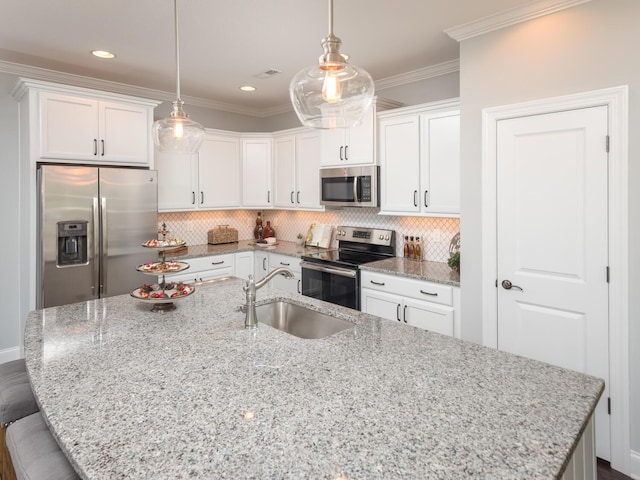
[
  {"x": 406, "y": 246},
  {"x": 412, "y": 247},
  {"x": 417, "y": 253},
  {"x": 268, "y": 230},
  {"x": 258, "y": 228}
]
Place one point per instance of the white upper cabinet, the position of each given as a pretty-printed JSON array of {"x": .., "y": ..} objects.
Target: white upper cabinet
[
  {"x": 256, "y": 172},
  {"x": 208, "y": 180},
  {"x": 296, "y": 171},
  {"x": 94, "y": 129},
  {"x": 350, "y": 146},
  {"x": 419, "y": 155}
]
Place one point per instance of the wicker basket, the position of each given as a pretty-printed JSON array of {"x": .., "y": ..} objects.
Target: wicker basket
[{"x": 222, "y": 234}]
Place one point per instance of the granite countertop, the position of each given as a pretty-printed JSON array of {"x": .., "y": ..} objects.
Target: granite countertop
[
  {"x": 420, "y": 270},
  {"x": 132, "y": 394}
]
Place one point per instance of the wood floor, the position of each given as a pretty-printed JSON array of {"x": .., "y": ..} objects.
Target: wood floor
[{"x": 606, "y": 473}]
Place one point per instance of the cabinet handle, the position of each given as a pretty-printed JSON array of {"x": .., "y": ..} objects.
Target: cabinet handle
[
  {"x": 415, "y": 198},
  {"x": 341, "y": 153},
  {"x": 292, "y": 192},
  {"x": 201, "y": 197},
  {"x": 346, "y": 152},
  {"x": 404, "y": 314},
  {"x": 264, "y": 266},
  {"x": 193, "y": 198},
  {"x": 285, "y": 264},
  {"x": 298, "y": 196},
  {"x": 377, "y": 283},
  {"x": 102, "y": 145},
  {"x": 428, "y": 293},
  {"x": 95, "y": 146},
  {"x": 217, "y": 263},
  {"x": 426, "y": 203},
  {"x": 268, "y": 196},
  {"x": 299, "y": 291},
  {"x": 398, "y": 312}
]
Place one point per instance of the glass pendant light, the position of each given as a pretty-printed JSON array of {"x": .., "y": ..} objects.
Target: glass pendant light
[
  {"x": 177, "y": 133},
  {"x": 332, "y": 94}
]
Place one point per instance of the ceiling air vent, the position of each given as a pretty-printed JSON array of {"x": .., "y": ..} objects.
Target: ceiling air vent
[{"x": 269, "y": 73}]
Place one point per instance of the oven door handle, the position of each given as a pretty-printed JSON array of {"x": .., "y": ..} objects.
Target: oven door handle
[{"x": 343, "y": 272}]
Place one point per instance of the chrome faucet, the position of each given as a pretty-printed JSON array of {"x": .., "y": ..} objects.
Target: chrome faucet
[{"x": 251, "y": 321}]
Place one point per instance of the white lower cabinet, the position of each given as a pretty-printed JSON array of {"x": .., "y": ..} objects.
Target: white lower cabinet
[
  {"x": 427, "y": 305},
  {"x": 202, "y": 269},
  {"x": 292, "y": 285},
  {"x": 244, "y": 264},
  {"x": 260, "y": 265}
]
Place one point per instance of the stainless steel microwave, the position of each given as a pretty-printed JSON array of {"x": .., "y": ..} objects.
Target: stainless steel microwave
[{"x": 349, "y": 186}]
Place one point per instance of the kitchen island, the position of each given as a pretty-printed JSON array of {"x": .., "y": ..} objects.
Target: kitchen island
[{"x": 192, "y": 394}]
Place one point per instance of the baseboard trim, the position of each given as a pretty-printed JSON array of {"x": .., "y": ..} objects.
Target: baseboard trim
[
  {"x": 9, "y": 354},
  {"x": 634, "y": 464}
]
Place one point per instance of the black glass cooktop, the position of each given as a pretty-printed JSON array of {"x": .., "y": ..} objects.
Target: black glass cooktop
[{"x": 343, "y": 257}]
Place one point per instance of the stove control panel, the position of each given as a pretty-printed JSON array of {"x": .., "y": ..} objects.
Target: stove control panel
[{"x": 374, "y": 236}]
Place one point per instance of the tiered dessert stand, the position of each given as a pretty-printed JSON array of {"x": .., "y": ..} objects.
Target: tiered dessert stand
[{"x": 163, "y": 295}]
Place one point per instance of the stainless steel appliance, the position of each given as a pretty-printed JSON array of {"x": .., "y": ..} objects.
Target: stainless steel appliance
[
  {"x": 91, "y": 225},
  {"x": 334, "y": 275},
  {"x": 349, "y": 186}
]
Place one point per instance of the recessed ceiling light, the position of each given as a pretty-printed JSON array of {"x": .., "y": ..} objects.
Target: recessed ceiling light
[
  {"x": 103, "y": 54},
  {"x": 248, "y": 88}
]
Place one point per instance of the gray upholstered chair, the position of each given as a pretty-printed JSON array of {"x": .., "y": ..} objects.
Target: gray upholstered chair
[
  {"x": 35, "y": 453},
  {"x": 16, "y": 401}
]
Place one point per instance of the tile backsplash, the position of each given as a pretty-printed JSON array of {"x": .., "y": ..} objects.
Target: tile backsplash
[{"x": 435, "y": 233}]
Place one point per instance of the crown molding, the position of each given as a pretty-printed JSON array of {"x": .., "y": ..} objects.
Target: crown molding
[
  {"x": 417, "y": 75},
  {"x": 510, "y": 17},
  {"x": 43, "y": 74}
]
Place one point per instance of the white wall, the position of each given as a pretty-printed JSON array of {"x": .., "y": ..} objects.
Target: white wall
[
  {"x": 9, "y": 191},
  {"x": 588, "y": 47}
]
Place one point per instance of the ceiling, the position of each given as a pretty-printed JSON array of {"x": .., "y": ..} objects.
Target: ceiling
[{"x": 224, "y": 44}]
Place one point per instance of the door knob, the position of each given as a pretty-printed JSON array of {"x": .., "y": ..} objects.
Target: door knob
[{"x": 507, "y": 285}]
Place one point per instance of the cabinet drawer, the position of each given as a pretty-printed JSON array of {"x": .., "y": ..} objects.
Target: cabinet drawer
[
  {"x": 215, "y": 262},
  {"x": 408, "y": 287},
  {"x": 278, "y": 260}
]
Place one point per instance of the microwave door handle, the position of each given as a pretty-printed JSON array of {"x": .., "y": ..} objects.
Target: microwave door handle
[{"x": 356, "y": 197}]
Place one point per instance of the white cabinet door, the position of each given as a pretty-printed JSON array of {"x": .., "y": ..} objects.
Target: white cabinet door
[
  {"x": 308, "y": 162},
  {"x": 219, "y": 172},
  {"x": 68, "y": 127},
  {"x": 89, "y": 129},
  {"x": 124, "y": 131},
  {"x": 428, "y": 316},
  {"x": 256, "y": 172},
  {"x": 350, "y": 146},
  {"x": 440, "y": 164},
  {"x": 284, "y": 172},
  {"x": 382, "y": 304},
  {"x": 291, "y": 285},
  {"x": 261, "y": 265},
  {"x": 400, "y": 164},
  {"x": 177, "y": 180},
  {"x": 244, "y": 264}
]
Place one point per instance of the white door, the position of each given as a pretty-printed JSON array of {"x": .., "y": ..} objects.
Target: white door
[
  {"x": 219, "y": 172},
  {"x": 552, "y": 244},
  {"x": 308, "y": 170},
  {"x": 284, "y": 172}
]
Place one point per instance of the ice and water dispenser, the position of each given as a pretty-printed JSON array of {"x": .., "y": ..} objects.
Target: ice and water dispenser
[{"x": 72, "y": 243}]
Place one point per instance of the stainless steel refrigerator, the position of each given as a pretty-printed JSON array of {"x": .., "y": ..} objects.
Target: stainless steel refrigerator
[{"x": 92, "y": 222}]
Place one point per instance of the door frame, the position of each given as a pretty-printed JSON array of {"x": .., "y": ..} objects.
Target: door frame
[{"x": 617, "y": 101}]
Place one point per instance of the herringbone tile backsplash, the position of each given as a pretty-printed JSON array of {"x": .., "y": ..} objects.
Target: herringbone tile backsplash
[{"x": 435, "y": 233}]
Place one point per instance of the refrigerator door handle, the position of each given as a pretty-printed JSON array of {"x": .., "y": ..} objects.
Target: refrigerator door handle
[
  {"x": 105, "y": 251},
  {"x": 96, "y": 247}
]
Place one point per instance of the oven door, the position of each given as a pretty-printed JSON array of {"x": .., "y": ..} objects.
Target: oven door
[{"x": 331, "y": 284}]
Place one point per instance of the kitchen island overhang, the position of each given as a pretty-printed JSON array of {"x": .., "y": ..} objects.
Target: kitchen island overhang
[{"x": 191, "y": 393}]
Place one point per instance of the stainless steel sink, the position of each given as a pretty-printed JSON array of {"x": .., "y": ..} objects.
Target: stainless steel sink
[{"x": 300, "y": 321}]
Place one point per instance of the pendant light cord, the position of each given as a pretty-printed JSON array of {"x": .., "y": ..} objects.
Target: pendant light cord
[
  {"x": 175, "y": 16},
  {"x": 330, "y": 17}
]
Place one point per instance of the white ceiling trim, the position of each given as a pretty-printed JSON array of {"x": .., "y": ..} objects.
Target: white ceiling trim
[
  {"x": 510, "y": 17},
  {"x": 417, "y": 75},
  {"x": 37, "y": 73}
]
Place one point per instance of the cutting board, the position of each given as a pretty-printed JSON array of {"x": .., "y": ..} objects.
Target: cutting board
[{"x": 319, "y": 235}]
